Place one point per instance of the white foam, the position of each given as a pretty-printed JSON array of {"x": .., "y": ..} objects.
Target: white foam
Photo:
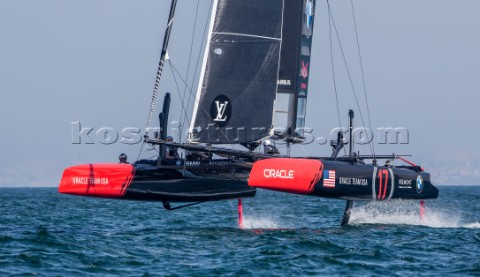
[
  {"x": 475, "y": 225},
  {"x": 258, "y": 223},
  {"x": 400, "y": 212}
]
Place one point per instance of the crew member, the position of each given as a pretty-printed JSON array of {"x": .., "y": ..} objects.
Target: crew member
[
  {"x": 122, "y": 158},
  {"x": 170, "y": 151},
  {"x": 269, "y": 148}
]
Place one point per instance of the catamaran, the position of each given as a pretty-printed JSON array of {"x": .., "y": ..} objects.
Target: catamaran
[{"x": 253, "y": 87}]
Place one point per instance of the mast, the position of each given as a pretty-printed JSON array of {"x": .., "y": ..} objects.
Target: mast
[{"x": 163, "y": 57}]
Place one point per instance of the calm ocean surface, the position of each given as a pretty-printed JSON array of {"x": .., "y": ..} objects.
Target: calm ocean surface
[{"x": 44, "y": 233}]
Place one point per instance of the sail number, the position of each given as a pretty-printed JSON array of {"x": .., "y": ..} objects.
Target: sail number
[{"x": 383, "y": 183}]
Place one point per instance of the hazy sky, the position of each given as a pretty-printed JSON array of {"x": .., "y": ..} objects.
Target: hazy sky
[{"x": 94, "y": 62}]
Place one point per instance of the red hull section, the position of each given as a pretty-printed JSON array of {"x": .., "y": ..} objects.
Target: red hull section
[
  {"x": 287, "y": 174},
  {"x": 99, "y": 180}
]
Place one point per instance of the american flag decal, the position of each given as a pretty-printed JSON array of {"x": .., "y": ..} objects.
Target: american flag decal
[{"x": 329, "y": 178}]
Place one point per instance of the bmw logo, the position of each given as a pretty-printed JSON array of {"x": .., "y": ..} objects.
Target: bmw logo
[{"x": 419, "y": 184}]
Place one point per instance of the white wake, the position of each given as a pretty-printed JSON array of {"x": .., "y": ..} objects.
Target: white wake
[
  {"x": 253, "y": 222},
  {"x": 400, "y": 212}
]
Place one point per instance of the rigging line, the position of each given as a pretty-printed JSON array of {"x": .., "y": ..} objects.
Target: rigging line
[
  {"x": 147, "y": 150},
  {"x": 196, "y": 100},
  {"x": 152, "y": 155},
  {"x": 188, "y": 66},
  {"x": 155, "y": 93},
  {"x": 362, "y": 71},
  {"x": 163, "y": 56},
  {"x": 333, "y": 69},
  {"x": 172, "y": 66},
  {"x": 190, "y": 90},
  {"x": 180, "y": 76},
  {"x": 305, "y": 150},
  {"x": 204, "y": 37},
  {"x": 178, "y": 88},
  {"x": 144, "y": 151},
  {"x": 349, "y": 76},
  {"x": 140, "y": 152},
  {"x": 333, "y": 65}
]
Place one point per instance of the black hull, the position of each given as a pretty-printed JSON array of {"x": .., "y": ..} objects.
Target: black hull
[
  {"x": 172, "y": 185},
  {"x": 198, "y": 181},
  {"x": 323, "y": 177},
  {"x": 212, "y": 180},
  {"x": 367, "y": 183}
]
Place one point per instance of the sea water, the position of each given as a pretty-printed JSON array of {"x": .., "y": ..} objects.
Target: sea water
[{"x": 44, "y": 233}]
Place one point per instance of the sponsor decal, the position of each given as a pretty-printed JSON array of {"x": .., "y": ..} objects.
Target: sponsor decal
[
  {"x": 329, "y": 178},
  {"x": 278, "y": 173},
  {"x": 192, "y": 163},
  {"x": 292, "y": 175},
  {"x": 420, "y": 184},
  {"x": 89, "y": 181},
  {"x": 219, "y": 163},
  {"x": 304, "y": 71},
  {"x": 308, "y": 16},
  {"x": 352, "y": 181},
  {"x": 221, "y": 110},
  {"x": 102, "y": 180},
  {"x": 284, "y": 82},
  {"x": 405, "y": 184}
]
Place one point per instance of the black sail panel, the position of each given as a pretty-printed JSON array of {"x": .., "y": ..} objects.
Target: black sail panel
[
  {"x": 304, "y": 63},
  {"x": 236, "y": 95},
  {"x": 291, "y": 32},
  {"x": 294, "y": 70}
]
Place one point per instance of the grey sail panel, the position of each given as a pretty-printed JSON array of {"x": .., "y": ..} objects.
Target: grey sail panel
[
  {"x": 236, "y": 95},
  {"x": 290, "y": 106}
]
